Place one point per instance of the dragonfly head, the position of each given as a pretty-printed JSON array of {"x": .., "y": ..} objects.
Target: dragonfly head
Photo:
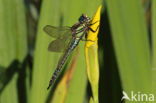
[{"x": 83, "y": 19}]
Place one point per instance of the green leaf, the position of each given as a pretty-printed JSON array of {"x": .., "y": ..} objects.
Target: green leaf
[
  {"x": 131, "y": 44},
  {"x": 154, "y": 46},
  {"x": 13, "y": 44}
]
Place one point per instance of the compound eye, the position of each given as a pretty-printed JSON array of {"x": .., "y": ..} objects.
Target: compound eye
[{"x": 82, "y": 19}]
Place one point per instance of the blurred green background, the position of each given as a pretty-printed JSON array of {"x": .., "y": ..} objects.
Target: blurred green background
[{"x": 127, "y": 50}]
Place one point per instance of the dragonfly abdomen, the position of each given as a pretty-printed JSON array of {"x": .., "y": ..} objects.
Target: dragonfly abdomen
[{"x": 72, "y": 46}]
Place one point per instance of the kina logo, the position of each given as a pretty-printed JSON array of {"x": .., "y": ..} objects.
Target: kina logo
[{"x": 138, "y": 97}]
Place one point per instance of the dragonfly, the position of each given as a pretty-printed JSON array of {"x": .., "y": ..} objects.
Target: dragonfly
[{"x": 66, "y": 40}]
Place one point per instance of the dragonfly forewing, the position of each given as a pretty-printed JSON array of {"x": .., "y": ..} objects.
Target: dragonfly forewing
[{"x": 57, "y": 32}]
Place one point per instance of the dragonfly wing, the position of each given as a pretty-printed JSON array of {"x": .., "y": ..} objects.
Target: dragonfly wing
[
  {"x": 56, "y": 32},
  {"x": 60, "y": 44},
  {"x": 56, "y": 46}
]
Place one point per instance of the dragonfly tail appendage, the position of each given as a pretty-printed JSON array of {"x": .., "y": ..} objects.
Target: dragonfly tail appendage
[{"x": 54, "y": 77}]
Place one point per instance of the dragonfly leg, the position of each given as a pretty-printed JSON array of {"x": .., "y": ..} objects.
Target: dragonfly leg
[
  {"x": 94, "y": 23},
  {"x": 87, "y": 40},
  {"x": 81, "y": 37},
  {"x": 79, "y": 31},
  {"x": 93, "y": 30}
]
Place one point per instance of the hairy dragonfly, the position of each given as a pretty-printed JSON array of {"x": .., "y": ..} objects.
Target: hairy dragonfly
[{"x": 66, "y": 40}]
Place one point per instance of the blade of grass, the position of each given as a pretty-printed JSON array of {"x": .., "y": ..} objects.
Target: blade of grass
[
  {"x": 13, "y": 43},
  {"x": 131, "y": 44},
  {"x": 44, "y": 61}
]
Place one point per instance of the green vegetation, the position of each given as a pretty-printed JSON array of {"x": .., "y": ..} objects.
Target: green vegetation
[{"x": 126, "y": 44}]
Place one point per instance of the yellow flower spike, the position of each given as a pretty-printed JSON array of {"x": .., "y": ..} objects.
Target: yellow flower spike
[
  {"x": 96, "y": 23},
  {"x": 91, "y": 49}
]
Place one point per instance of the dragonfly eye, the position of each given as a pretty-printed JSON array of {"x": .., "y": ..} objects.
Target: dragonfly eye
[{"x": 82, "y": 19}]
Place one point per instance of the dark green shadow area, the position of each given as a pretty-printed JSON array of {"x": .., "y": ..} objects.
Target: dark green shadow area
[
  {"x": 6, "y": 74},
  {"x": 110, "y": 89},
  {"x": 22, "y": 76}
]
